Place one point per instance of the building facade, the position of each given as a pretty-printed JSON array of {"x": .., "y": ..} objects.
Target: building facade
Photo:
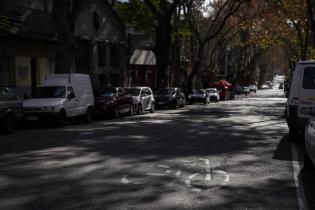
[{"x": 28, "y": 43}]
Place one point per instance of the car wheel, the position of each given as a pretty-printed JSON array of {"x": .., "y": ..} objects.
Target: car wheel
[
  {"x": 140, "y": 110},
  {"x": 8, "y": 124},
  {"x": 116, "y": 112},
  {"x": 61, "y": 119},
  {"x": 131, "y": 110},
  {"x": 152, "y": 110},
  {"x": 88, "y": 115},
  {"x": 308, "y": 162}
]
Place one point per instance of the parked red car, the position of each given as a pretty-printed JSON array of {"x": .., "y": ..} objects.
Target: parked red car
[{"x": 113, "y": 102}]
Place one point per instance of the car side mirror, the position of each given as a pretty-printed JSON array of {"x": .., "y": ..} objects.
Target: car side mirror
[{"x": 70, "y": 96}]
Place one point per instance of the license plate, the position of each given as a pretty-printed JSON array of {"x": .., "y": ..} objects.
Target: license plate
[
  {"x": 31, "y": 118},
  {"x": 161, "y": 103}
]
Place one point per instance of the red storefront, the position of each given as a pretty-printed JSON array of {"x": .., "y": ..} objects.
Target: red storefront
[
  {"x": 143, "y": 68},
  {"x": 223, "y": 87}
]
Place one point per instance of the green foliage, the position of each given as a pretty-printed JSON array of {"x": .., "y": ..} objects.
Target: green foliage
[
  {"x": 182, "y": 30},
  {"x": 136, "y": 14}
]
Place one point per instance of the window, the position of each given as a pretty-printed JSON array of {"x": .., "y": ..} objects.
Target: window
[
  {"x": 50, "y": 92},
  {"x": 133, "y": 91},
  {"x": 108, "y": 91},
  {"x": 102, "y": 54},
  {"x": 166, "y": 91},
  {"x": 6, "y": 71},
  {"x": 144, "y": 92},
  {"x": 309, "y": 78},
  {"x": 114, "y": 55},
  {"x": 148, "y": 92},
  {"x": 7, "y": 95},
  {"x": 70, "y": 92}
]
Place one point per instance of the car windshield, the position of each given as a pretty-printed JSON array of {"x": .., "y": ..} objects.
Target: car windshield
[
  {"x": 50, "y": 92},
  {"x": 166, "y": 92},
  {"x": 105, "y": 92},
  {"x": 309, "y": 78},
  {"x": 133, "y": 91},
  {"x": 198, "y": 91},
  {"x": 5, "y": 94},
  {"x": 212, "y": 91}
]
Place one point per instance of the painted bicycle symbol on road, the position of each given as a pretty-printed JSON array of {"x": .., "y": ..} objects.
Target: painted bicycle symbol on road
[{"x": 204, "y": 177}]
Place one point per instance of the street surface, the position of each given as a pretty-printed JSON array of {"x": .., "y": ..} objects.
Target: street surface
[{"x": 226, "y": 155}]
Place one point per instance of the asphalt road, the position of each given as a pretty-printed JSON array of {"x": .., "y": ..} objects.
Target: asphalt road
[{"x": 226, "y": 155}]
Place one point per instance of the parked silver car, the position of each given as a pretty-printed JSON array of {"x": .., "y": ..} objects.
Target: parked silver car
[
  {"x": 309, "y": 157},
  {"x": 142, "y": 98},
  {"x": 214, "y": 94}
]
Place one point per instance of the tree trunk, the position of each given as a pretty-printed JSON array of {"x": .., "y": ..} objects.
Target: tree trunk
[
  {"x": 162, "y": 48},
  {"x": 196, "y": 68},
  {"x": 65, "y": 29},
  {"x": 310, "y": 9}
]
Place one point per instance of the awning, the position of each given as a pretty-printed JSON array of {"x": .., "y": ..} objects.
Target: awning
[
  {"x": 143, "y": 57},
  {"x": 222, "y": 83}
]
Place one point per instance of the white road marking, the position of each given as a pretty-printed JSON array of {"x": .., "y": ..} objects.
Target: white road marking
[
  {"x": 207, "y": 161},
  {"x": 163, "y": 166},
  {"x": 226, "y": 180},
  {"x": 193, "y": 175},
  {"x": 227, "y": 176},
  {"x": 156, "y": 174},
  {"x": 208, "y": 169},
  {"x": 187, "y": 181},
  {"x": 124, "y": 180},
  {"x": 190, "y": 164},
  {"x": 220, "y": 172},
  {"x": 208, "y": 177},
  {"x": 302, "y": 201},
  {"x": 185, "y": 161}
]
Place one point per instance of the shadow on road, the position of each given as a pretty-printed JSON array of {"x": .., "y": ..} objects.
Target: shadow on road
[{"x": 79, "y": 167}]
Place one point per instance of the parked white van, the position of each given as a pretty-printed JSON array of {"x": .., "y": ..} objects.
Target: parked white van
[
  {"x": 301, "y": 100},
  {"x": 61, "y": 96}
]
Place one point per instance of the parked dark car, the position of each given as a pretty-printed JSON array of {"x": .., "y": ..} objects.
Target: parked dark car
[
  {"x": 200, "y": 96},
  {"x": 169, "y": 97},
  {"x": 112, "y": 102},
  {"x": 11, "y": 110}
]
